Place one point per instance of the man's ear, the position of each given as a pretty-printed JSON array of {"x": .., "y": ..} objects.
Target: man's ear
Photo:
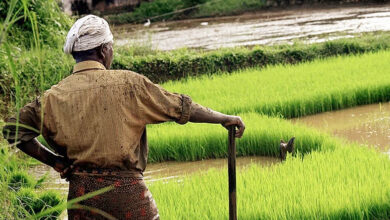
[{"x": 102, "y": 52}]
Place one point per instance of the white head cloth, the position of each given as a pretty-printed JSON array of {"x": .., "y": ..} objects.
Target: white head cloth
[{"x": 86, "y": 33}]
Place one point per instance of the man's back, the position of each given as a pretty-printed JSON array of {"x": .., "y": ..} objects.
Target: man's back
[{"x": 99, "y": 116}]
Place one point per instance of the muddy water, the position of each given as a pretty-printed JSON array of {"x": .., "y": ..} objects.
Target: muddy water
[
  {"x": 369, "y": 124},
  {"x": 309, "y": 25},
  {"x": 160, "y": 171}
]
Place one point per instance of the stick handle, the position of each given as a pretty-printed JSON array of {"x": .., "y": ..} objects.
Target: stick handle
[{"x": 232, "y": 173}]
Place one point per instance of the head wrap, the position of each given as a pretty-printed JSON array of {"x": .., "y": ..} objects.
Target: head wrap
[{"x": 86, "y": 33}]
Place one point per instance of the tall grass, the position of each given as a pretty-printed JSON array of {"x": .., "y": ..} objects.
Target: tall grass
[
  {"x": 347, "y": 183},
  {"x": 19, "y": 31},
  {"x": 201, "y": 141},
  {"x": 294, "y": 91}
]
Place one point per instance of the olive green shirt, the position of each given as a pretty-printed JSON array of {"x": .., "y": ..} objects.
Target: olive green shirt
[{"x": 98, "y": 117}]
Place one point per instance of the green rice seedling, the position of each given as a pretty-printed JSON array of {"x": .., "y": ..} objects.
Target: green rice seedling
[
  {"x": 348, "y": 183},
  {"x": 33, "y": 203},
  {"x": 20, "y": 179},
  {"x": 201, "y": 141},
  {"x": 294, "y": 91}
]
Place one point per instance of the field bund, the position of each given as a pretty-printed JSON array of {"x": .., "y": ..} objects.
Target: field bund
[{"x": 329, "y": 179}]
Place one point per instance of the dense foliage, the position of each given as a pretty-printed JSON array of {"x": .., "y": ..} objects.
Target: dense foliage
[{"x": 52, "y": 23}]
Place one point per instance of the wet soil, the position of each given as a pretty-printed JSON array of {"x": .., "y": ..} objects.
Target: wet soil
[{"x": 266, "y": 28}]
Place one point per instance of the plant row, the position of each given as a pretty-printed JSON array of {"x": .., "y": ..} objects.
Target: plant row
[
  {"x": 192, "y": 141},
  {"x": 161, "y": 67},
  {"x": 294, "y": 90}
]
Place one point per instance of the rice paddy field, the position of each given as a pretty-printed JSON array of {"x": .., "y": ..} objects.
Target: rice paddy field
[
  {"x": 328, "y": 179},
  {"x": 294, "y": 90},
  {"x": 346, "y": 183}
]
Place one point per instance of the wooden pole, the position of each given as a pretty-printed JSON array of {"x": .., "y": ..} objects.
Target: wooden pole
[{"x": 232, "y": 173}]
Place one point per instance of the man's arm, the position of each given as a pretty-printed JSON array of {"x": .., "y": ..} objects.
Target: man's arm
[
  {"x": 38, "y": 151},
  {"x": 202, "y": 114},
  {"x": 24, "y": 129}
]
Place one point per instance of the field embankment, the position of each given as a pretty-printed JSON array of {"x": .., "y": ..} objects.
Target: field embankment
[{"x": 177, "y": 64}]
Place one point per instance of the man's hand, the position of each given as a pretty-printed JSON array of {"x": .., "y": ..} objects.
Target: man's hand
[
  {"x": 63, "y": 166},
  {"x": 237, "y": 122}
]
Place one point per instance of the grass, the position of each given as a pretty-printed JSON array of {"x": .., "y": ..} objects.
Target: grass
[
  {"x": 348, "y": 183},
  {"x": 294, "y": 91},
  {"x": 201, "y": 141}
]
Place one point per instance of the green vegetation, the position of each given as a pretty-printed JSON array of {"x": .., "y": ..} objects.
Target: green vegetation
[
  {"x": 21, "y": 53},
  {"x": 350, "y": 182},
  {"x": 177, "y": 64},
  {"x": 32, "y": 15},
  {"x": 202, "y": 141},
  {"x": 327, "y": 180},
  {"x": 293, "y": 91},
  {"x": 19, "y": 191},
  {"x": 302, "y": 187}
]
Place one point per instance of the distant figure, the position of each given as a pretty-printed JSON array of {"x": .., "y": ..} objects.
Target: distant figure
[
  {"x": 147, "y": 24},
  {"x": 286, "y": 147}
]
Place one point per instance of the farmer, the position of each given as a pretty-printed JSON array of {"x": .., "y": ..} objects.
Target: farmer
[{"x": 95, "y": 121}]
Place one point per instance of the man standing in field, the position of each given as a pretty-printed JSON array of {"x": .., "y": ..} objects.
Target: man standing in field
[{"x": 95, "y": 120}]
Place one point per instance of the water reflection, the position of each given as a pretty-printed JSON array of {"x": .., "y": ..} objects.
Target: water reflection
[
  {"x": 309, "y": 25},
  {"x": 369, "y": 124}
]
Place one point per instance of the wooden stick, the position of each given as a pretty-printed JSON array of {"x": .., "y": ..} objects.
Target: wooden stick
[{"x": 232, "y": 173}]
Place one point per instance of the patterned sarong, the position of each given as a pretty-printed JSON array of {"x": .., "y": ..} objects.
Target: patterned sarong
[{"x": 129, "y": 199}]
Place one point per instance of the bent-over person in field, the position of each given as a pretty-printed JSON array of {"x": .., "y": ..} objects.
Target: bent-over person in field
[{"x": 95, "y": 120}]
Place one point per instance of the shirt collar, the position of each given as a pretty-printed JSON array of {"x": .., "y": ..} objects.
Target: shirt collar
[{"x": 87, "y": 65}]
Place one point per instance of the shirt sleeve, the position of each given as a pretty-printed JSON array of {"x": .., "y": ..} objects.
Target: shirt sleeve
[
  {"x": 158, "y": 105},
  {"x": 27, "y": 127}
]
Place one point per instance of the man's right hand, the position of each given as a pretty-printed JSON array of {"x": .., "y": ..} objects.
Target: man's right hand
[
  {"x": 63, "y": 166},
  {"x": 237, "y": 122}
]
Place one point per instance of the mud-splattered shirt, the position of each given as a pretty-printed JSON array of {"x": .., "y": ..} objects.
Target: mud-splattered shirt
[{"x": 98, "y": 117}]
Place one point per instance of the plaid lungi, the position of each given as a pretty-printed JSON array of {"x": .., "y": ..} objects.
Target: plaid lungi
[{"x": 129, "y": 199}]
